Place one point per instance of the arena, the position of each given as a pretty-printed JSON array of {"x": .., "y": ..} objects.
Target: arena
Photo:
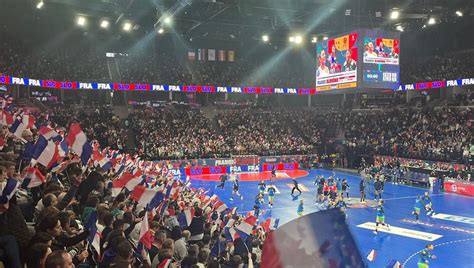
[{"x": 236, "y": 133}]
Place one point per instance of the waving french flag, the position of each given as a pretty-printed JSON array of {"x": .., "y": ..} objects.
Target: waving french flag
[
  {"x": 103, "y": 162},
  {"x": 48, "y": 153},
  {"x": 186, "y": 217},
  {"x": 77, "y": 141},
  {"x": 128, "y": 180},
  {"x": 219, "y": 206},
  {"x": 8, "y": 188},
  {"x": 95, "y": 233},
  {"x": 145, "y": 196},
  {"x": 33, "y": 178},
  {"x": 17, "y": 129},
  {"x": 49, "y": 133},
  {"x": 270, "y": 224},
  {"x": 246, "y": 227}
]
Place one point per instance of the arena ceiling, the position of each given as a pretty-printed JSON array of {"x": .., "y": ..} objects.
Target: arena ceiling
[{"x": 238, "y": 19}]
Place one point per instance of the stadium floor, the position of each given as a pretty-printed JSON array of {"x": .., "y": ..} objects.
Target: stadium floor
[{"x": 452, "y": 236}]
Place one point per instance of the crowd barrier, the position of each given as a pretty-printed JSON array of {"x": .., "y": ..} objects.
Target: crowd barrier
[{"x": 12, "y": 80}]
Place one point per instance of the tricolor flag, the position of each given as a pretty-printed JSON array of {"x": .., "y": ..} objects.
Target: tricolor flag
[
  {"x": 94, "y": 232},
  {"x": 219, "y": 206},
  {"x": 270, "y": 224},
  {"x": 231, "y": 234},
  {"x": 77, "y": 141},
  {"x": 49, "y": 134},
  {"x": 33, "y": 178},
  {"x": 103, "y": 162},
  {"x": 312, "y": 240},
  {"x": 186, "y": 217},
  {"x": 17, "y": 129},
  {"x": 221, "y": 55},
  {"x": 246, "y": 227},
  {"x": 48, "y": 153},
  {"x": 145, "y": 234},
  {"x": 145, "y": 196},
  {"x": 128, "y": 180},
  {"x": 8, "y": 189},
  {"x": 371, "y": 255}
]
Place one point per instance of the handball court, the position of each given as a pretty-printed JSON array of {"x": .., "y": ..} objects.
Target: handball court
[{"x": 451, "y": 231}]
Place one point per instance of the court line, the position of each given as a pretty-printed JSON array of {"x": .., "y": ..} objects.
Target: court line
[{"x": 437, "y": 245}]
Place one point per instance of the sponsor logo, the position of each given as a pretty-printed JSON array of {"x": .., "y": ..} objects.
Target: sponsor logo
[
  {"x": 454, "y": 218},
  {"x": 224, "y": 162},
  {"x": 402, "y": 232}
]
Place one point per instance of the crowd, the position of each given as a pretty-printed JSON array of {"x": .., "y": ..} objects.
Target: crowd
[
  {"x": 172, "y": 132},
  {"x": 90, "y": 216},
  {"x": 443, "y": 134}
]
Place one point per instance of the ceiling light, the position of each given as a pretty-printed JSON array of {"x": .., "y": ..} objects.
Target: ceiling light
[
  {"x": 459, "y": 13},
  {"x": 161, "y": 31},
  {"x": 399, "y": 28},
  {"x": 431, "y": 21},
  {"x": 394, "y": 15},
  {"x": 40, "y": 5},
  {"x": 348, "y": 12},
  {"x": 298, "y": 39},
  {"x": 167, "y": 20},
  {"x": 81, "y": 21},
  {"x": 104, "y": 24},
  {"x": 292, "y": 39},
  {"x": 265, "y": 38},
  {"x": 127, "y": 26},
  {"x": 314, "y": 40}
]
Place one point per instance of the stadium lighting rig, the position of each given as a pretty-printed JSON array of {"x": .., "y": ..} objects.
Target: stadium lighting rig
[
  {"x": 161, "y": 30},
  {"x": 127, "y": 26},
  {"x": 265, "y": 38},
  {"x": 459, "y": 13},
  {"x": 395, "y": 14},
  {"x": 431, "y": 21},
  {"x": 314, "y": 40},
  {"x": 81, "y": 21},
  {"x": 104, "y": 24},
  {"x": 40, "y": 5}
]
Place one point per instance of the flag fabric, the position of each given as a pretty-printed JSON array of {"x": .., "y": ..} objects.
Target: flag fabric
[
  {"x": 17, "y": 128},
  {"x": 145, "y": 196},
  {"x": 77, "y": 141},
  {"x": 270, "y": 224},
  {"x": 166, "y": 263},
  {"x": 103, "y": 162},
  {"x": 371, "y": 255},
  {"x": 246, "y": 227},
  {"x": 201, "y": 54},
  {"x": 191, "y": 55},
  {"x": 186, "y": 217},
  {"x": 48, "y": 153},
  {"x": 2, "y": 143},
  {"x": 217, "y": 249},
  {"x": 33, "y": 178},
  {"x": 221, "y": 55},
  {"x": 127, "y": 180},
  {"x": 8, "y": 188},
  {"x": 49, "y": 133},
  {"x": 211, "y": 54},
  {"x": 145, "y": 234},
  {"x": 94, "y": 232},
  {"x": 219, "y": 206},
  {"x": 312, "y": 240},
  {"x": 6, "y": 119},
  {"x": 231, "y": 55},
  {"x": 231, "y": 234}
]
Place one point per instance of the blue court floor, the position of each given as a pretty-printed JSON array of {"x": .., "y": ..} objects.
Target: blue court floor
[{"x": 452, "y": 232}]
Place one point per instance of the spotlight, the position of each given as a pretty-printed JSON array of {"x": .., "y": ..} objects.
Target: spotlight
[
  {"x": 40, "y": 5},
  {"x": 127, "y": 26},
  {"x": 459, "y": 13},
  {"x": 348, "y": 12},
  {"x": 161, "y": 31},
  {"x": 314, "y": 40},
  {"x": 81, "y": 21},
  {"x": 298, "y": 39},
  {"x": 292, "y": 39},
  {"x": 265, "y": 38},
  {"x": 104, "y": 24},
  {"x": 399, "y": 28},
  {"x": 325, "y": 38},
  {"x": 394, "y": 15},
  {"x": 378, "y": 14},
  {"x": 167, "y": 20},
  {"x": 431, "y": 21}
]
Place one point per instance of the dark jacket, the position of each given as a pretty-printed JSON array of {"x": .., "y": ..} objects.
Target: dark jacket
[{"x": 197, "y": 226}]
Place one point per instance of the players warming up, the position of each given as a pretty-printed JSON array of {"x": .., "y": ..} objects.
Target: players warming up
[
  {"x": 261, "y": 187},
  {"x": 274, "y": 171},
  {"x": 417, "y": 208},
  {"x": 380, "y": 217},
  {"x": 362, "y": 190},
  {"x": 426, "y": 200},
  {"x": 295, "y": 187},
  {"x": 258, "y": 202},
  {"x": 235, "y": 189},
  {"x": 271, "y": 193},
  {"x": 426, "y": 256},
  {"x": 345, "y": 188},
  {"x": 223, "y": 179}
]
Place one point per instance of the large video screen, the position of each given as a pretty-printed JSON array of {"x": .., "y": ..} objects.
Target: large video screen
[
  {"x": 336, "y": 61},
  {"x": 381, "y": 59}
]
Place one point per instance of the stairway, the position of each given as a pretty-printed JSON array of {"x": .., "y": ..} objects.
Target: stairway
[{"x": 210, "y": 113}]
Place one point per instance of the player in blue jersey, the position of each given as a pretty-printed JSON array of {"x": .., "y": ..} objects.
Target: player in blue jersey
[
  {"x": 235, "y": 188},
  {"x": 273, "y": 171},
  {"x": 426, "y": 201},
  {"x": 380, "y": 217},
  {"x": 271, "y": 193},
  {"x": 262, "y": 186},
  {"x": 426, "y": 256},
  {"x": 258, "y": 202},
  {"x": 345, "y": 188},
  {"x": 417, "y": 207},
  {"x": 300, "y": 208}
]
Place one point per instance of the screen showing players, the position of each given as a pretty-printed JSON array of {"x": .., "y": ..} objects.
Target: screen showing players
[
  {"x": 336, "y": 61},
  {"x": 380, "y": 68}
]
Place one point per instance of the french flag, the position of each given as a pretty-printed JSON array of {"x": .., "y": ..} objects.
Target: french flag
[
  {"x": 145, "y": 234},
  {"x": 270, "y": 224},
  {"x": 95, "y": 233},
  {"x": 17, "y": 129},
  {"x": 166, "y": 263},
  {"x": 6, "y": 119},
  {"x": 77, "y": 141},
  {"x": 103, "y": 162},
  {"x": 186, "y": 217},
  {"x": 128, "y": 180},
  {"x": 8, "y": 189},
  {"x": 2, "y": 143},
  {"x": 231, "y": 234},
  {"x": 33, "y": 178},
  {"x": 49, "y": 133},
  {"x": 371, "y": 255},
  {"x": 246, "y": 227},
  {"x": 145, "y": 196},
  {"x": 219, "y": 206},
  {"x": 48, "y": 153}
]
